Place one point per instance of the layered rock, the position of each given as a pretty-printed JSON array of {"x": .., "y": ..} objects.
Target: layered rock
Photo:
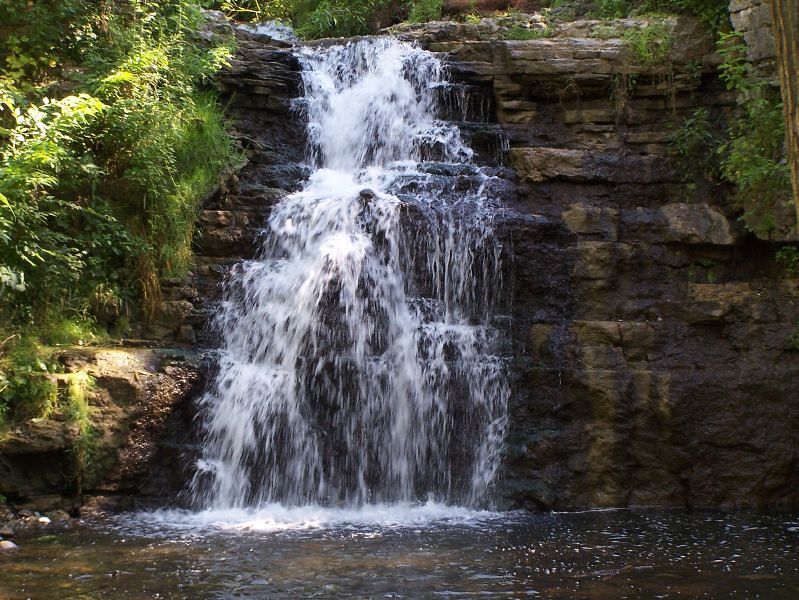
[
  {"x": 652, "y": 334},
  {"x": 655, "y": 364},
  {"x": 137, "y": 434},
  {"x": 258, "y": 87}
]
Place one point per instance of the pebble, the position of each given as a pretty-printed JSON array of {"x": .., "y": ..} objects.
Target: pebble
[
  {"x": 7, "y": 546},
  {"x": 59, "y": 517},
  {"x": 6, "y": 531},
  {"x": 43, "y": 520}
]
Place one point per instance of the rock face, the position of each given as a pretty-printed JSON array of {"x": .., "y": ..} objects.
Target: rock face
[
  {"x": 140, "y": 414},
  {"x": 654, "y": 364},
  {"x": 753, "y": 19}
]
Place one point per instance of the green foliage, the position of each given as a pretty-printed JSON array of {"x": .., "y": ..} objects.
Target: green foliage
[
  {"x": 788, "y": 257},
  {"x": 753, "y": 155},
  {"x": 425, "y": 10},
  {"x": 613, "y": 9},
  {"x": 258, "y": 10},
  {"x": 37, "y": 36},
  {"x": 109, "y": 138},
  {"x": 605, "y": 31},
  {"x": 712, "y": 13},
  {"x": 750, "y": 153},
  {"x": 518, "y": 32},
  {"x": 314, "y": 19},
  {"x": 649, "y": 45},
  {"x": 28, "y": 370},
  {"x": 99, "y": 185},
  {"x": 695, "y": 144},
  {"x": 334, "y": 18},
  {"x": 27, "y": 388},
  {"x": 735, "y": 69}
]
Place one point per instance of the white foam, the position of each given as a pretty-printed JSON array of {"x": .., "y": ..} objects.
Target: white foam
[{"x": 277, "y": 517}]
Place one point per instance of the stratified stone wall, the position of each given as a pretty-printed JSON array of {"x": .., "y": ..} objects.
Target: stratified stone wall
[
  {"x": 140, "y": 411},
  {"x": 654, "y": 364},
  {"x": 753, "y": 19}
]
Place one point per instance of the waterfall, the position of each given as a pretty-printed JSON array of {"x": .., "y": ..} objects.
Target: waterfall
[{"x": 359, "y": 359}]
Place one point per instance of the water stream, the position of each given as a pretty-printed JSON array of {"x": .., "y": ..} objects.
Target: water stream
[{"x": 360, "y": 362}]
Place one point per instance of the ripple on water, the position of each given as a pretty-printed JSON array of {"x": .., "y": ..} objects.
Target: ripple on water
[{"x": 423, "y": 551}]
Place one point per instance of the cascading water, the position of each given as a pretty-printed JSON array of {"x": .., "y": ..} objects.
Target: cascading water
[{"x": 359, "y": 357}]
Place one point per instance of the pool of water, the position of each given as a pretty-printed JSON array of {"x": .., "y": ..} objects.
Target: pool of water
[{"x": 421, "y": 552}]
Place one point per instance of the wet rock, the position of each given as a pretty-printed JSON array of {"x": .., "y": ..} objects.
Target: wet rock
[
  {"x": 366, "y": 196},
  {"x": 584, "y": 219},
  {"x": 59, "y": 517},
  {"x": 8, "y": 546}
]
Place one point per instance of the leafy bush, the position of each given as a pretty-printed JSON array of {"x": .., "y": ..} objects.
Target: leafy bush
[
  {"x": 425, "y": 10},
  {"x": 696, "y": 145},
  {"x": 649, "y": 45},
  {"x": 109, "y": 138},
  {"x": 26, "y": 386},
  {"x": 753, "y": 155},
  {"x": 96, "y": 179},
  {"x": 750, "y": 153},
  {"x": 258, "y": 10}
]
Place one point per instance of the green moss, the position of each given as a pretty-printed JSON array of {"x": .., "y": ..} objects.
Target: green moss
[
  {"x": 27, "y": 387},
  {"x": 77, "y": 410}
]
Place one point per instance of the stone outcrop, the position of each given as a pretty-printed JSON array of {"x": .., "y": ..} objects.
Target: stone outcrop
[
  {"x": 654, "y": 359},
  {"x": 651, "y": 333},
  {"x": 752, "y": 18},
  {"x": 140, "y": 412}
]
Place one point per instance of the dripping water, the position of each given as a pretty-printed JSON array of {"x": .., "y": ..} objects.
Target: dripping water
[{"x": 360, "y": 362}]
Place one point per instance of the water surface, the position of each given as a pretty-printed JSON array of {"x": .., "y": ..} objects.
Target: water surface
[{"x": 424, "y": 552}]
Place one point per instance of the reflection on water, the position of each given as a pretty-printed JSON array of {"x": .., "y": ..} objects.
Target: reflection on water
[{"x": 426, "y": 552}]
